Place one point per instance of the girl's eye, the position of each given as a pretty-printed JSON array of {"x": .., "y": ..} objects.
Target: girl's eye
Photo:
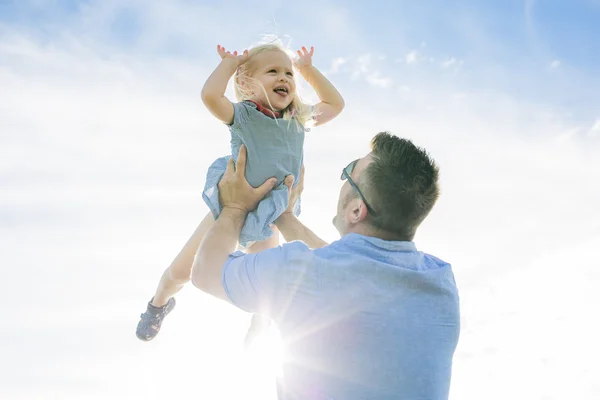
[
  {"x": 271, "y": 71},
  {"x": 291, "y": 75}
]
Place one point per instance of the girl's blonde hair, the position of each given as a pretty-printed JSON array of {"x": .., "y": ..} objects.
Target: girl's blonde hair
[{"x": 245, "y": 85}]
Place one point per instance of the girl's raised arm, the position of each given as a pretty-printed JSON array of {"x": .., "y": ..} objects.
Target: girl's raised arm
[
  {"x": 332, "y": 102},
  {"x": 213, "y": 92}
]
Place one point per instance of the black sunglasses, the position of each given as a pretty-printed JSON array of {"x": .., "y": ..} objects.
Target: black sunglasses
[{"x": 346, "y": 172}]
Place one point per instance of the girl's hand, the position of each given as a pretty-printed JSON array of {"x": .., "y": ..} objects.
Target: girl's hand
[
  {"x": 240, "y": 59},
  {"x": 304, "y": 58}
]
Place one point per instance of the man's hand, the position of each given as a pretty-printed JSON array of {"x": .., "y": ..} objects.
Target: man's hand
[
  {"x": 234, "y": 190},
  {"x": 289, "y": 226},
  {"x": 293, "y": 192}
]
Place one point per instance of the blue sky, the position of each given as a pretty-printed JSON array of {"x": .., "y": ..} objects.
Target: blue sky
[
  {"x": 104, "y": 145},
  {"x": 544, "y": 52},
  {"x": 506, "y": 32}
]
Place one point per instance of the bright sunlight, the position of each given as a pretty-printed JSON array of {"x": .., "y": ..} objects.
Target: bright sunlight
[{"x": 266, "y": 352}]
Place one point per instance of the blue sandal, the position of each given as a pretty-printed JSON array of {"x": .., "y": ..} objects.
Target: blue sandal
[{"x": 151, "y": 320}]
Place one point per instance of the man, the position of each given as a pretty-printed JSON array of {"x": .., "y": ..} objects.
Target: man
[{"x": 366, "y": 317}]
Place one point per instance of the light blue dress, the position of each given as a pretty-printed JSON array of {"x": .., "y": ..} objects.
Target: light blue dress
[{"x": 275, "y": 149}]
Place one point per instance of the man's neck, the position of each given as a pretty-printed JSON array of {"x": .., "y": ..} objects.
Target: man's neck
[{"x": 367, "y": 230}]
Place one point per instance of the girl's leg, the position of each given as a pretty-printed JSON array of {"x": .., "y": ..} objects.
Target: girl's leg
[
  {"x": 171, "y": 282},
  {"x": 260, "y": 323},
  {"x": 180, "y": 270}
]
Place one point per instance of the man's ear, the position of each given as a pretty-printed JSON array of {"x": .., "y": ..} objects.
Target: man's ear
[{"x": 356, "y": 211}]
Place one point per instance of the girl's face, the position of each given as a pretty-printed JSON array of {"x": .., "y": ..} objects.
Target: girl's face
[{"x": 273, "y": 70}]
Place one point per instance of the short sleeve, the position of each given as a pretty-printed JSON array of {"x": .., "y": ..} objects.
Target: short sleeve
[
  {"x": 257, "y": 283},
  {"x": 241, "y": 115}
]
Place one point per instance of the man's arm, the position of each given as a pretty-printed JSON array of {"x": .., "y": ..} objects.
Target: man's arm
[
  {"x": 219, "y": 242},
  {"x": 237, "y": 198},
  {"x": 290, "y": 227}
]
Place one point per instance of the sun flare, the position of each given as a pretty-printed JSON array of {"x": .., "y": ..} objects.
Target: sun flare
[{"x": 266, "y": 352}]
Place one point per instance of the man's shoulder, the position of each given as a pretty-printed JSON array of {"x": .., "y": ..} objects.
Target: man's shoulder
[
  {"x": 283, "y": 252},
  {"x": 433, "y": 262},
  {"x": 296, "y": 247}
]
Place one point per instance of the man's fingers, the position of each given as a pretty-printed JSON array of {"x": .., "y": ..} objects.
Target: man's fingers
[
  {"x": 266, "y": 187},
  {"x": 230, "y": 167},
  {"x": 240, "y": 166},
  {"x": 289, "y": 181}
]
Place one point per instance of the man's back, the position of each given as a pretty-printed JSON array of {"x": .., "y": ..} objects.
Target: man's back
[
  {"x": 368, "y": 319},
  {"x": 362, "y": 318}
]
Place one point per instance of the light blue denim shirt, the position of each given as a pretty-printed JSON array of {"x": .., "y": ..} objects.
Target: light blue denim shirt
[{"x": 362, "y": 318}]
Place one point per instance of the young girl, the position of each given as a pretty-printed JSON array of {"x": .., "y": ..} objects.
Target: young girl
[{"x": 270, "y": 120}]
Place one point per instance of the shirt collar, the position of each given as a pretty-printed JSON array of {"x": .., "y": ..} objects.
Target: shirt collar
[
  {"x": 266, "y": 111},
  {"x": 389, "y": 245}
]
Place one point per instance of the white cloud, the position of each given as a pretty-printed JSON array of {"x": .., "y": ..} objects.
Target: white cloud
[
  {"x": 412, "y": 57},
  {"x": 595, "y": 131},
  {"x": 376, "y": 80},
  {"x": 555, "y": 64},
  {"x": 362, "y": 65},
  {"x": 568, "y": 135},
  {"x": 336, "y": 64},
  {"x": 449, "y": 62}
]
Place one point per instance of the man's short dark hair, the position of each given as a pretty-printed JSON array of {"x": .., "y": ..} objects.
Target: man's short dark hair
[{"x": 400, "y": 184}]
